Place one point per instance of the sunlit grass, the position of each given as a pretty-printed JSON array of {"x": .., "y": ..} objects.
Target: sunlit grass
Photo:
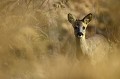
[{"x": 37, "y": 41}]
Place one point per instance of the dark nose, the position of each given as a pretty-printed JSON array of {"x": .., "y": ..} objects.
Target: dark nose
[{"x": 80, "y": 34}]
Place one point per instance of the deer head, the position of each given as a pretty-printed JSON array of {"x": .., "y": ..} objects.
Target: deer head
[{"x": 79, "y": 25}]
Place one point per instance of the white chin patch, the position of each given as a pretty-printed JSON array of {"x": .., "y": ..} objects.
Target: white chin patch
[{"x": 80, "y": 36}]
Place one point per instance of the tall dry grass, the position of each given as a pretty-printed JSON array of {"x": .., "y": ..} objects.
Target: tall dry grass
[{"x": 37, "y": 42}]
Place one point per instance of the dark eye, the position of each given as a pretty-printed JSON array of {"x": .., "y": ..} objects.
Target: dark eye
[
  {"x": 78, "y": 24},
  {"x": 75, "y": 27},
  {"x": 83, "y": 27}
]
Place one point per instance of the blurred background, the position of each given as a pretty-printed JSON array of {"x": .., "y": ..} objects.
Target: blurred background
[{"x": 37, "y": 41}]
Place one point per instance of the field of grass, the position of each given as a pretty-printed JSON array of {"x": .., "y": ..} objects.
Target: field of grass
[{"x": 37, "y": 41}]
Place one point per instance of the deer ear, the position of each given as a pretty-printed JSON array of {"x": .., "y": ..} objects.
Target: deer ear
[
  {"x": 87, "y": 18},
  {"x": 71, "y": 19}
]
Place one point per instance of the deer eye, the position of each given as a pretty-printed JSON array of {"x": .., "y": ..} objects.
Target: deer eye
[
  {"x": 83, "y": 28},
  {"x": 78, "y": 24},
  {"x": 75, "y": 27}
]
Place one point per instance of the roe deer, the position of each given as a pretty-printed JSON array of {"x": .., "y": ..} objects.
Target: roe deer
[{"x": 95, "y": 47}]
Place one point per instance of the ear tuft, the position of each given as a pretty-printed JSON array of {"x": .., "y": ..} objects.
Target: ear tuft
[
  {"x": 71, "y": 18},
  {"x": 87, "y": 18}
]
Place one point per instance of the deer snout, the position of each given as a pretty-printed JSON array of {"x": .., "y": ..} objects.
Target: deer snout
[{"x": 80, "y": 34}]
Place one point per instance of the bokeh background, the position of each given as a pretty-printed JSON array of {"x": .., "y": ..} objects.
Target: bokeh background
[{"x": 37, "y": 41}]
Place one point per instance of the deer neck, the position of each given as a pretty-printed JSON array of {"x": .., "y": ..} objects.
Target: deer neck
[
  {"x": 81, "y": 46},
  {"x": 78, "y": 48}
]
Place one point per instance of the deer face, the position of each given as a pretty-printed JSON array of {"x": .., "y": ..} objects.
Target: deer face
[{"x": 79, "y": 25}]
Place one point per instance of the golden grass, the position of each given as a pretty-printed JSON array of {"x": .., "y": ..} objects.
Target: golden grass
[{"x": 37, "y": 42}]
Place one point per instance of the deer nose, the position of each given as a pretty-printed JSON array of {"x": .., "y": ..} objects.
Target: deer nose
[{"x": 80, "y": 34}]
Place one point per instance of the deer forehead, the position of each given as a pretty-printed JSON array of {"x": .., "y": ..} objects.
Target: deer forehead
[
  {"x": 81, "y": 23},
  {"x": 84, "y": 24}
]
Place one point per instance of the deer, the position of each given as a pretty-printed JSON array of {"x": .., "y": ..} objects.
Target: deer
[{"x": 96, "y": 47}]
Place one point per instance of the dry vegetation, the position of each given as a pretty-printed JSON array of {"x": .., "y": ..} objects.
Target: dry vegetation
[{"x": 37, "y": 41}]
